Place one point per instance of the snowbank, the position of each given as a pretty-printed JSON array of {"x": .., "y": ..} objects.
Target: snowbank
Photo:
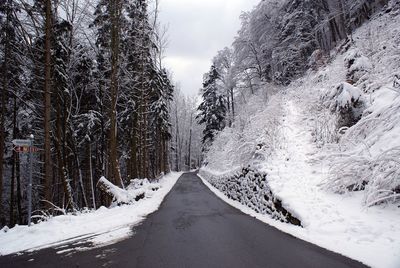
[
  {"x": 376, "y": 247},
  {"x": 99, "y": 227}
]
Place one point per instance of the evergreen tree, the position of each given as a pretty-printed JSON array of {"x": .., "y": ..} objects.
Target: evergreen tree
[
  {"x": 212, "y": 110},
  {"x": 10, "y": 81},
  {"x": 163, "y": 95}
]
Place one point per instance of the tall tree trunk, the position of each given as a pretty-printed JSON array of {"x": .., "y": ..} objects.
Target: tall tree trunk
[
  {"x": 14, "y": 166},
  {"x": 228, "y": 99},
  {"x": 47, "y": 104},
  {"x": 190, "y": 142},
  {"x": 82, "y": 187},
  {"x": 113, "y": 147},
  {"x": 233, "y": 104},
  {"x": 61, "y": 151},
  {"x": 145, "y": 140},
  {"x": 176, "y": 140},
  {"x": 19, "y": 197},
  {"x": 91, "y": 175},
  {"x": 166, "y": 166},
  {"x": 133, "y": 159},
  {"x": 3, "y": 101},
  {"x": 12, "y": 191},
  {"x": 344, "y": 20},
  {"x": 63, "y": 172}
]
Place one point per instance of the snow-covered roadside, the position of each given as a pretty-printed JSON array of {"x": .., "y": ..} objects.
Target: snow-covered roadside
[
  {"x": 308, "y": 144},
  {"x": 101, "y": 227},
  {"x": 337, "y": 222},
  {"x": 346, "y": 234},
  {"x": 340, "y": 223}
]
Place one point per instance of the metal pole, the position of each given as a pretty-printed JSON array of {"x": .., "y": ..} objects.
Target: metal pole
[{"x": 30, "y": 182}]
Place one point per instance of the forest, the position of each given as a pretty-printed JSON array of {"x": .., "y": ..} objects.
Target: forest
[{"x": 86, "y": 79}]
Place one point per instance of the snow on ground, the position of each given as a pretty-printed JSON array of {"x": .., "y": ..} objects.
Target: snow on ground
[
  {"x": 101, "y": 227},
  {"x": 299, "y": 167},
  {"x": 338, "y": 222}
]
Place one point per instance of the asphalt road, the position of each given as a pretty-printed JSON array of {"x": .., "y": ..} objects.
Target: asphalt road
[{"x": 194, "y": 228}]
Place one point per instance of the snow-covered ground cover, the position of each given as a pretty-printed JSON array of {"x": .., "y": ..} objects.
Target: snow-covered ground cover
[
  {"x": 315, "y": 169},
  {"x": 100, "y": 227}
]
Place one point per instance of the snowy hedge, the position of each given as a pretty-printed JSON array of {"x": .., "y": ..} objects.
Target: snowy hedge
[{"x": 251, "y": 189}]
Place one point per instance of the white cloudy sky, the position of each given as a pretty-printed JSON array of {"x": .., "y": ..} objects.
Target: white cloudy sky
[{"x": 197, "y": 30}]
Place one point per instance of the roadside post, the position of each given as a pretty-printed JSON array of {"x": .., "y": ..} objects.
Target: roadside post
[
  {"x": 30, "y": 179},
  {"x": 27, "y": 146}
]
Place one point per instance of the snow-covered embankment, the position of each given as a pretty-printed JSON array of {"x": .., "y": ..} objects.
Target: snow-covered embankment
[{"x": 101, "y": 227}]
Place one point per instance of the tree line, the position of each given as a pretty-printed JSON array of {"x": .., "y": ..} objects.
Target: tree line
[{"x": 86, "y": 78}]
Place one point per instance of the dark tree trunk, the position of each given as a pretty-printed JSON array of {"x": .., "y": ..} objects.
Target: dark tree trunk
[
  {"x": 3, "y": 101},
  {"x": 114, "y": 173},
  {"x": 48, "y": 174}
]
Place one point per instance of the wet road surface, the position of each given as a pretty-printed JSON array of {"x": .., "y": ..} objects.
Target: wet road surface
[{"x": 193, "y": 228}]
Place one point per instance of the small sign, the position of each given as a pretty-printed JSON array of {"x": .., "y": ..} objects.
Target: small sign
[
  {"x": 25, "y": 149},
  {"x": 23, "y": 143}
]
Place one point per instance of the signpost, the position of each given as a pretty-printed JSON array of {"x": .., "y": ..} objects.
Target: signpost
[
  {"x": 26, "y": 146},
  {"x": 22, "y": 143},
  {"x": 21, "y": 149}
]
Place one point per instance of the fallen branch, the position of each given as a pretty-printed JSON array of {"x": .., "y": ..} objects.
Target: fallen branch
[{"x": 125, "y": 196}]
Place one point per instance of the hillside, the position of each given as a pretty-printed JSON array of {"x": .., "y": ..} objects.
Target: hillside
[{"x": 329, "y": 145}]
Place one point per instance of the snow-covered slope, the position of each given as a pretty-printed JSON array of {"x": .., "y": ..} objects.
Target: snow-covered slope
[{"x": 312, "y": 166}]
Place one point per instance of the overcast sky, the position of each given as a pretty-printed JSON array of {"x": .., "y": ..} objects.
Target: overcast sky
[{"x": 197, "y": 30}]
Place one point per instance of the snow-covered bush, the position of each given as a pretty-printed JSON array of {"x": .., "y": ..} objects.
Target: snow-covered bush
[
  {"x": 357, "y": 65},
  {"x": 378, "y": 175},
  {"x": 250, "y": 188},
  {"x": 325, "y": 130},
  {"x": 370, "y": 153},
  {"x": 367, "y": 156},
  {"x": 252, "y": 138},
  {"x": 348, "y": 102}
]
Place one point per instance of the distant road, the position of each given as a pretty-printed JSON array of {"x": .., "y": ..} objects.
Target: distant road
[{"x": 194, "y": 228}]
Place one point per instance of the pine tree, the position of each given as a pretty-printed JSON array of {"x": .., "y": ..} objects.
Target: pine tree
[
  {"x": 212, "y": 111},
  {"x": 163, "y": 95},
  {"x": 110, "y": 22},
  {"x": 61, "y": 53},
  {"x": 6, "y": 37}
]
